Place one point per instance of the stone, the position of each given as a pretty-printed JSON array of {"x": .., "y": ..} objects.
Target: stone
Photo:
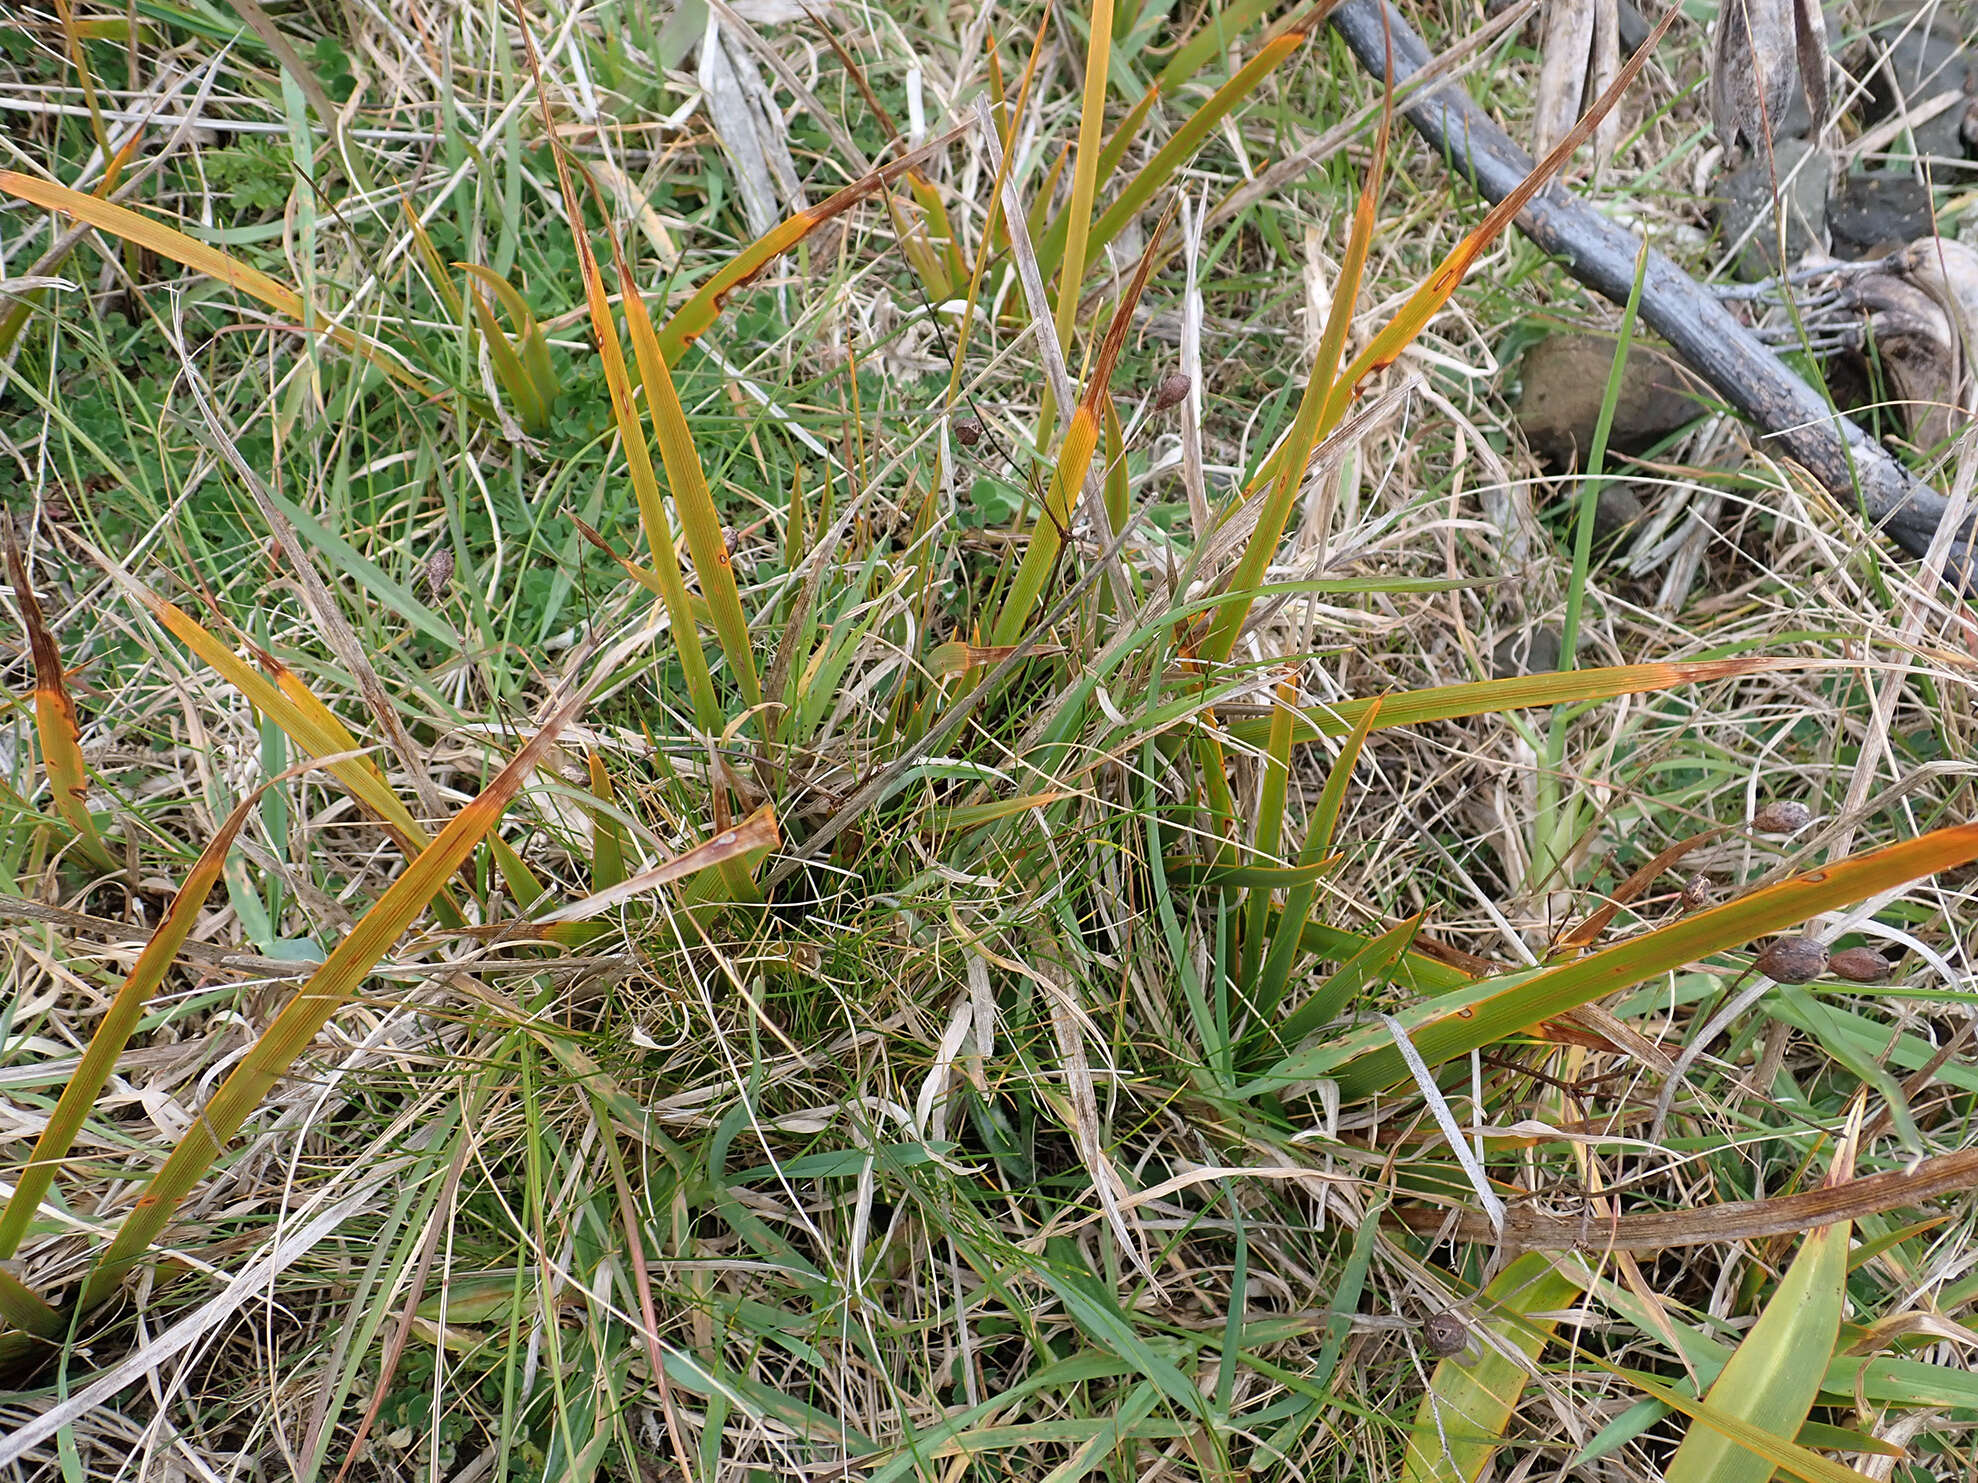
[
  {"x": 1563, "y": 379},
  {"x": 1905, "y": 64},
  {"x": 1876, "y": 211},
  {"x": 1792, "y": 185},
  {"x": 1535, "y": 651}
]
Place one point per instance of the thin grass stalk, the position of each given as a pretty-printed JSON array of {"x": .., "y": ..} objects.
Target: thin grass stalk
[{"x": 1557, "y": 823}]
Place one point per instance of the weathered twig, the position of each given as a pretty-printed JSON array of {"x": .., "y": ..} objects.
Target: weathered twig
[{"x": 1857, "y": 470}]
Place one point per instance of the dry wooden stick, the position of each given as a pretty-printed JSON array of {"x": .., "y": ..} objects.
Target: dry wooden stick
[{"x": 1792, "y": 416}]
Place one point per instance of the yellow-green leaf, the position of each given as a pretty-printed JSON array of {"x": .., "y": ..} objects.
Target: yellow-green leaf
[{"x": 326, "y": 991}]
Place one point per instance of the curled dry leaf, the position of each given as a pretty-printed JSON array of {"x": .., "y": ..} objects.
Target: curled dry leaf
[{"x": 1768, "y": 53}]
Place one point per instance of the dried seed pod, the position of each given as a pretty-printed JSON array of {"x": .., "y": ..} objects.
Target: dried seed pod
[
  {"x": 1782, "y": 816},
  {"x": 439, "y": 571},
  {"x": 1445, "y": 1334},
  {"x": 1172, "y": 391},
  {"x": 968, "y": 432},
  {"x": 1861, "y": 965},
  {"x": 1792, "y": 960},
  {"x": 1697, "y": 892}
]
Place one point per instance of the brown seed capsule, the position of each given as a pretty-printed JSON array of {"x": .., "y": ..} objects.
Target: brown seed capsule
[
  {"x": 1792, "y": 960},
  {"x": 1445, "y": 1334},
  {"x": 968, "y": 432},
  {"x": 439, "y": 571},
  {"x": 1861, "y": 965},
  {"x": 1172, "y": 391},
  {"x": 1782, "y": 816},
  {"x": 1697, "y": 892}
]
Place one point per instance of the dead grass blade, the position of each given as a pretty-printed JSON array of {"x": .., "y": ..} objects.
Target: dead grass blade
[
  {"x": 55, "y": 714},
  {"x": 1730, "y": 1221},
  {"x": 327, "y": 990},
  {"x": 754, "y": 834}
]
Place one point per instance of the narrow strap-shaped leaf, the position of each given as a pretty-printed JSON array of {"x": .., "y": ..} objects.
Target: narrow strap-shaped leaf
[
  {"x": 113, "y": 1031},
  {"x": 55, "y": 714},
  {"x": 1468, "y": 1019},
  {"x": 169, "y": 242},
  {"x": 326, "y": 991}
]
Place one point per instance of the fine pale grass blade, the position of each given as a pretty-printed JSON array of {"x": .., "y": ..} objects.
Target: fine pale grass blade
[
  {"x": 1074, "y": 459},
  {"x": 55, "y": 715},
  {"x": 1483, "y": 1013},
  {"x": 699, "y": 313},
  {"x": 1774, "y": 1378},
  {"x": 1471, "y": 1397},
  {"x": 1481, "y": 697},
  {"x": 754, "y": 835},
  {"x": 1288, "y": 937},
  {"x": 154, "y": 235},
  {"x": 113, "y": 1031},
  {"x": 713, "y": 567},
  {"x": 327, "y": 990}
]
